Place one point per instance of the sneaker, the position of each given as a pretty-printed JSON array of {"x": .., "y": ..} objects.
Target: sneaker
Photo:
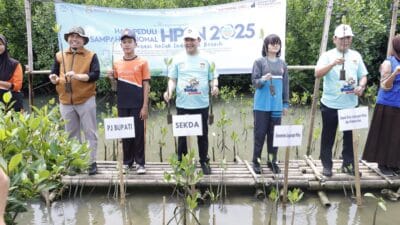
[
  {"x": 274, "y": 167},
  {"x": 349, "y": 170},
  {"x": 206, "y": 168},
  {"x": 257, "y": 168},
  {"x": 93, "y": 169},
  {"x": 141, "y": 170},
  {"x": 386, "y": 170},
  {"x": 327, "y": 172}
]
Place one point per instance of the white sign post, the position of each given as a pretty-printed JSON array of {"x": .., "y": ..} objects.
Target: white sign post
[
  {"x": 352, "y": 119},
  {"x": 187, "y": 125},
  {"x": 288, "y": 135},
  {"x": 121, "y": 127}
]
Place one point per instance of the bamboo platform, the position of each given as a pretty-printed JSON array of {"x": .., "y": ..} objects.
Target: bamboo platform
[{"x": 302, "y": 173}]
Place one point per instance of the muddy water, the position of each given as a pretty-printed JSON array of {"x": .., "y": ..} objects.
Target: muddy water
[{"x": 145, "y": 208}]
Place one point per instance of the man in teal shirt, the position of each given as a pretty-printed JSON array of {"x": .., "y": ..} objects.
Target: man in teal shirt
[
  {"x": 339, "y": 92},
  {"x": 193, "y": 75}
]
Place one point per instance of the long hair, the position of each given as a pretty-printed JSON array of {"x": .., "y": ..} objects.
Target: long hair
[
  {"x": 271, "y": 39},
  {"x": 396, "y": 46},
  {"x": 7, "y": 64}
]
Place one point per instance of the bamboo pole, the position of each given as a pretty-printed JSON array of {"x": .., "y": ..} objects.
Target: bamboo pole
[
  {"x": 393, "y": 24},
  {"x": 356, "y": 169},
  {"x": 315, "y": 98},
  {"x": 324, "y": 199},
  {"x": 163, "y": 217},
  {"x": 285, "y": 182},
  {"x": 317, "y": 174},
  {"x": 121, "y": 177},
  {"x": 29, "y": 68},
  {"x": 378, "y": 172}
]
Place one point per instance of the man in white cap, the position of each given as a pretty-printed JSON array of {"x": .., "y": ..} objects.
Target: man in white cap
[
  {"x": 345, "y": 79},
  {"x": 193, "y": 75},
  {"x": 74, "y": 73}
]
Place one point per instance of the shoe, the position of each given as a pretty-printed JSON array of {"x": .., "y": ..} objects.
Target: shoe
[
  {"x": 93, "y": 169},
  {"x": 386, "y": 170},
  {"x": 274, "y": 167},
  {"x": 327, "y": 172},
  {"x": 141, "y": 170},
  {"x": 396, "y": 171},
  {"x": 257, "y": 168},
  {"x": 206, "y": 168},
  {"x": 349, "y": 170},
  {"x": 126, "y": 168}
]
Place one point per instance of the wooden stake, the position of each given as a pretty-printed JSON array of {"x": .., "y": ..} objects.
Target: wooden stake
[
  {"x": 163, "y": 211},
  {"x": 315, "y": 98},
  {"x": 285, "y": 182},
  {"x": 393, "y": 24},
  {"x": 121, "y": 177},
  {"x": 30, "y": 52},
  {"x": 356, "y": 169}
]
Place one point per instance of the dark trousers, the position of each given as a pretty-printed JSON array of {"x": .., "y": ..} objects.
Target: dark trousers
[
  {"x": 202, "y": 141},
  {"x": 264, "y": 128},
  {"x": 133, "y": 148},
  {"x": 329, "y": 127}
]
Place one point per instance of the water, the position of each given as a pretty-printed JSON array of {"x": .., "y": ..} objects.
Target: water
[{"x": 146, "y": 208}]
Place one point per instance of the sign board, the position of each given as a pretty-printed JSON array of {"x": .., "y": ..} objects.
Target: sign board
[
  {"x": 352, "y": 119},
  {"x": 224, "y": 29},
  {"x": 187, "y": 125},
  {"x": 288, "y": 135},
  {"x": 121, "y": 127}
]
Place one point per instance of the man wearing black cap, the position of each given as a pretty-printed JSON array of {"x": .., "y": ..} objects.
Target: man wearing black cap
[
  {"x": 74, "y": 73},
  {"x": 132, "y": 74}
]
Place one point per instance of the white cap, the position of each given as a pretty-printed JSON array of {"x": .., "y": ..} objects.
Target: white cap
[
  {"x": 343, "y": 30},
  {"x": 191, "y": 33}
]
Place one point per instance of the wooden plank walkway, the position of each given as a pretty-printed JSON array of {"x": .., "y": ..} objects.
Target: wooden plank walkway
[{"x": 240, "y": 174}]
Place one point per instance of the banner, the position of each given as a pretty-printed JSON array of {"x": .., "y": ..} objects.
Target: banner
[{"x": 231, "y": 33}]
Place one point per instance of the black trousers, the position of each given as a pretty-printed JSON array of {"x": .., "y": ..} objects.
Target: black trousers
[
  {"x": 329, "y": 127},
  {"x": 202, "y": 141},
  {"x": 133, "y": 148},
  {"x": 264, "y": 129}
]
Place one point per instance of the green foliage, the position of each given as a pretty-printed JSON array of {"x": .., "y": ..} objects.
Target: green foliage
[
  {"x": 185, "y": 176},
  {"x": 35, "y": 151},
  {"x": 295, "y": 195},
  {"x": 370, "y": 21}
]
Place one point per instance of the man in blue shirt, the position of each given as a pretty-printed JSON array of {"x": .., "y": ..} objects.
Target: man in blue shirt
[
  {"x": 339, "y": 92},
  {"x": 193, "y": 75}
]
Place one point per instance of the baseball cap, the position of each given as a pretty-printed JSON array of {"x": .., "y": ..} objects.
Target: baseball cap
[
  {"x": 77, "y": 30},
  {"x": 343, "y": 30},
  {"x": 128, "y": 33},
  {"x": 191, "y": 33}
]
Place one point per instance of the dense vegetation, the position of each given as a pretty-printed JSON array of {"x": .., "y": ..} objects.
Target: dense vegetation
[{"x": 370, "y": 21}]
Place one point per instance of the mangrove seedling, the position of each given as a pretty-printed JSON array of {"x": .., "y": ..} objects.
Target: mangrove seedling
[
  {"x": 380, "y": 202},
  {"x": 294, "y": 196},
  {"x": 185, "y": 176}
]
